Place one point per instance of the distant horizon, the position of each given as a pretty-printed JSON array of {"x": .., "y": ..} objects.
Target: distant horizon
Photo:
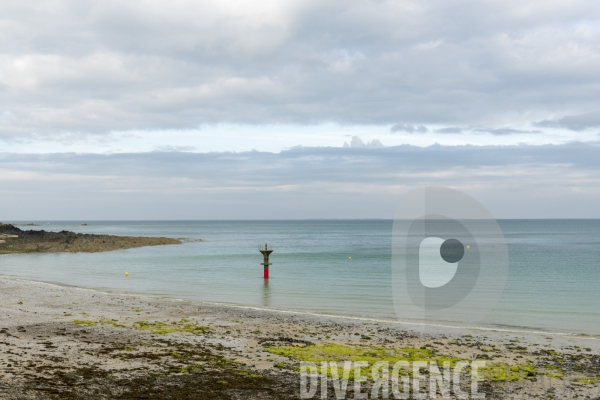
[{"x": 25, "y": 222}]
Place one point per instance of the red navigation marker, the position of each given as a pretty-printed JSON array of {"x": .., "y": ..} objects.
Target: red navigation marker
[{"x": 266, "y": 252}]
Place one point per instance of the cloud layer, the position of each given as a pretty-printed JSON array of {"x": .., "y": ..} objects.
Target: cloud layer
[
  {"x": 242, "y": 72},
  {"x": 574, "y": 122},
  {"x": 513, "y": 181},
  {"x": 98, "y": 67}
]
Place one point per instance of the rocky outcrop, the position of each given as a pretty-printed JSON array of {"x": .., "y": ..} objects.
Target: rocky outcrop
[{"x": 15, "y": 240}]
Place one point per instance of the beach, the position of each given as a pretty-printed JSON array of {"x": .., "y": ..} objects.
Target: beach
[{"x": 69, "y": 342}]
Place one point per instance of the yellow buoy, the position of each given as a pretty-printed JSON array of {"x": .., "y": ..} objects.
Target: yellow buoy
[
  {"x": 126, "y": 273},
  {"x": 349, "y": 258}
]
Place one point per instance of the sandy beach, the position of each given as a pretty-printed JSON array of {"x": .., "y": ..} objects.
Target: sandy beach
[{"x": 66, "y": 342}]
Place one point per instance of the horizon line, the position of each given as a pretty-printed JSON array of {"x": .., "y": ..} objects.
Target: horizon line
[{"x": 23, "y": 222}]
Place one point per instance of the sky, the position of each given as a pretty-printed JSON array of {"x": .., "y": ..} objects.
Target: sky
[{"x": 296, "y": 109}]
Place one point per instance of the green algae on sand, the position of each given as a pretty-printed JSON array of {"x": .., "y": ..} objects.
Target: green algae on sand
[
  {"x": 85, "y": 322},
  {"x": 332, "y": 352},
  {"x": 162, "y": 328}
]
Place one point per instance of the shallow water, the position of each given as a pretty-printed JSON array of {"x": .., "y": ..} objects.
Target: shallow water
[{"x": 553, "y": 282}]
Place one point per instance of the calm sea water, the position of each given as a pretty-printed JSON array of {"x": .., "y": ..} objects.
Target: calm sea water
[{"x": 553, "y": 283}]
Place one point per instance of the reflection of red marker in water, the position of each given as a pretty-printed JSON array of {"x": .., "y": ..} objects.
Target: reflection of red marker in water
[{"x": 266, "y": 251}]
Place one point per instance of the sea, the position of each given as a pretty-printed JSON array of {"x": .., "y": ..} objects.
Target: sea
[{"x": 330, "y": 267}]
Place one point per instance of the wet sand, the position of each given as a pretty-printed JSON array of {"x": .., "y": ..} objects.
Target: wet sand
[{"x": 66, "y": 342}]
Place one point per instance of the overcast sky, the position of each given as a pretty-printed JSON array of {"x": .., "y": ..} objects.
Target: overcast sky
[{"x": 296, "y": 109}]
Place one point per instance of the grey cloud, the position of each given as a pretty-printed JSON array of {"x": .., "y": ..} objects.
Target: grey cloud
[
  {"x": 450, "y": 129},
  {"x": 574, "y": 122},
  {"x": 302, "y": 164},
  {"x": 504, "y": 131},
  {"x": 408, "y": 128},
  {"x": 90, "y": 67},
  {"x": 514, "y": 181}
]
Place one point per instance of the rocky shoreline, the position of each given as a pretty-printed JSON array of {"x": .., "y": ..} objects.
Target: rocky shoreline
[{"x": 14, "y": 240}]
